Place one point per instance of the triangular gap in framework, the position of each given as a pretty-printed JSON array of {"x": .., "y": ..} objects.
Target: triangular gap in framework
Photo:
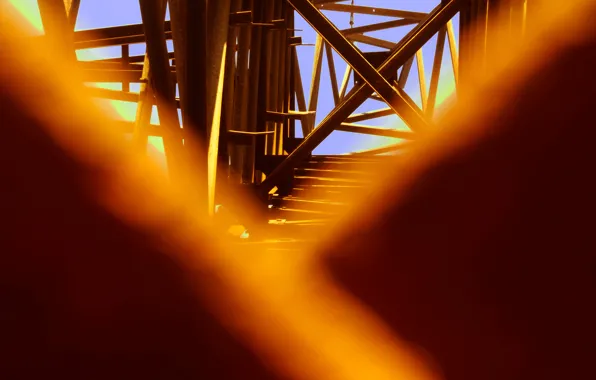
[
  {"x": 325, "y": 103},
  {"x": 340, "y": 68},
  {"x": 306, "y": 52},
  {"x": 412, "y": 87},
  {"x": 446, "y": 92},
  {"x": 428, "y": 54}
]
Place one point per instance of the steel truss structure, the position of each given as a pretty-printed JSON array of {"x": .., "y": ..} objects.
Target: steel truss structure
[{"x": 237, "y": 68}]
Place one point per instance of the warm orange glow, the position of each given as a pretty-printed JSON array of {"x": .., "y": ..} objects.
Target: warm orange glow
[
  {"x": 124, "y": 110},
  {"x": 312, "y": 331}
]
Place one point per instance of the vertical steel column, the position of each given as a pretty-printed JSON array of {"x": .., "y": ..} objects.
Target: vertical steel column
[
  {"x": 125, "y": 61},
  {"x": 241, "y": 154},
  {"x": 288, "y": 102},
  {"x": 282, "y": 89},
  {"x": 263, "y": 89},
  {"x": 299, "y": 91},
  {"x": 291, "y": 72},
  {"x": 225, "y": 151},
  {"x": 272, "y": 55},
  {"x": 248, "y": 171},
  {"x": 482, "y": 17},
  {"x": 468, "y": 36},
  {"x": 189, "y": 32}
]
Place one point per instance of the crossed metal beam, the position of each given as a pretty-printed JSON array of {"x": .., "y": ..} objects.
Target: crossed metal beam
[
  {"x": 375, "y": 79},
  {"x": 411, "y": 115}
]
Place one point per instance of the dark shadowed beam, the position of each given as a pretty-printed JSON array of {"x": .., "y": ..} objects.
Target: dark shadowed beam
[
  {"x": 225, "y": 151},
  {"x": 405, "y": 49},
  {"x": 411, "y": 115},
  {"x": 59, "y": 18},
  {"x": 241, "y": 102},
  {"x": 255, "y": 94},
  {"x": 200, "y": 34},
  {"x": 153, "y": 15},
  {"x": 189, "y": 32},
  {"x": 473, "y": 27}
]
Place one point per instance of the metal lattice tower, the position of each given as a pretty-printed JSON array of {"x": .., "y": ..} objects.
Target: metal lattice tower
[{"x": 236, "y": 66}]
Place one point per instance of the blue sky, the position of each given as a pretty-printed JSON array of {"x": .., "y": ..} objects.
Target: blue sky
[{"x": 103, "y": 13}]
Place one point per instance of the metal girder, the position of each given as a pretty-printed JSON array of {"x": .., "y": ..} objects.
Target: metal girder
[
  {"x": 189, "y": 32},
  {"x": 201, "y": 66},
  {"x": 376, "y": 131},
  {"x": 405, "y": 49},
  {"x": 436, "y": 73},
  {"x": 315, "y": 83},
  {"x": 384, "y": 149},
  {"x": 131, "y": 59},
  {"x": 113, "y": 36},
  {"x": 153, "y": 14},
  {"x": 369, "y": 115},
  {"x": 379, "y": 26},
  {"x": 144, "y": 108},
  {"x": 332, "y": 74},
  {"x": 373, "y": 11},
  {"x": 59, "y": 18},
  {"x": 217, "y": 35},
  {"x": 411, "y": 115},
  {"x": 368, "y": 40},
  {"x": 453, "y": 52}
]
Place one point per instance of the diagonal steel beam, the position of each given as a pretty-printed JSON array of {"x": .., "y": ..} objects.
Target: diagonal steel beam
[
  {"x": 153, "y": 15},
  {"x": 411, "y": 115},
  {"x": 405, "y": 49}
]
